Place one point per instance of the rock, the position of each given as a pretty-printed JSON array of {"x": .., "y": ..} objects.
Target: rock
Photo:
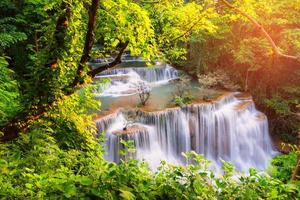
[{"x": 130, "y": 130}]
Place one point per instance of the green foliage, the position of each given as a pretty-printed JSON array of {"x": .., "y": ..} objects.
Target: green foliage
[
  {"x": 184, "y": 100},
  {"x": 285, "y": 122},
  {"x": 9, "y": 38},
  {"x": 152, "y": 29},
  {"x": 291, "y": 38},
  {"x": 278, "y": 104},
  {"x": 50, "y": 159},
  {"x": 9, "y": 26},
  {"x": 252, "y": 52},
  {"x": 183, "y": 95},
  {"x": 9, "y": 93},
  {"x": 282, "y": 166},
  {"x": 128, "y": 149},
  {"x": 125, "y": 21},
  {"x": 175, "y": 22},
  {"x": 63, "y": 49}
]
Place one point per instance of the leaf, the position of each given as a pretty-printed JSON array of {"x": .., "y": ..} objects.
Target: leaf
[
  {"x": 69, "y": 190},
  {"x": 127, "y": 195},
  {"x": 3, "y": 163},
  {"x": 85, "y": 181},
  {"x": 115, "y": 43},
  {"x": 252, "y": 172},
  {"x": 197, "y": 185},
  {"x": 28, "y": 185}
]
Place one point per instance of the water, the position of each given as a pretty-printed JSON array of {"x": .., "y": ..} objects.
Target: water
[
  {"x": 124, "y": 81},
  {"x": 229, "y": 129}
]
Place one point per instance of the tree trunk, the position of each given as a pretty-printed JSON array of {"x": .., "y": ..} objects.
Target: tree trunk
[
  {"x": 296, "y": 172},
  {"x": 89, "y": 41},
  {"x": 246, "y": 80}
]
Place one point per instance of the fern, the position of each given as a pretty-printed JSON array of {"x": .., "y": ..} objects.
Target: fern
[{"x": 9, "y": 103}]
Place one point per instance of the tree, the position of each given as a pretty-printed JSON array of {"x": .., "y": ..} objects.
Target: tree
[
  {"x": 56, "y": 64},
  {"x": 57, "y": 48},
  {"x": 143, "y": 90},
  {"x": 275, "y": 49}
]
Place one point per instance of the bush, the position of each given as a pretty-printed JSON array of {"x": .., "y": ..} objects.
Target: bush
[
  {"x": 282, "y": 166},
  {"x": 184, "y": 100},
  {"x": 35, "y": 167},
  {"x": 182, "y": 95}
]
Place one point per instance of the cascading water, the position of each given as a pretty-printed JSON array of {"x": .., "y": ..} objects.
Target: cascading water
[
  {"x": 147, "y": 141},
  {"x": 154, "y": 74},
  {"x": 125, "y": 58},
  {"x": 229, "y": 129},
  {"x": 124, "y": 81}
]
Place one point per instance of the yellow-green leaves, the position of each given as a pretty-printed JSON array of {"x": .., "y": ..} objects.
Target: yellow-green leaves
[
  {"x": 127, "y": 195},
  {"x": 9, "y": 93},
  {"x": 152, "y": 29},
  {"x": 121, "y": 21}
]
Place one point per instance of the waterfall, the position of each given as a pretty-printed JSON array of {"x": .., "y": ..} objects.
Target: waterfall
[
  {"x": 124, "y": 58},
  {"x": 149, "y": 145},
  {"x": 149, "y": 74},
  {"x": 229, "y": 129},
  {"x": 124, "y": 81}
]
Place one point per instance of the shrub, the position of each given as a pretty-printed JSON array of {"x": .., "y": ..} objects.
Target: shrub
[{"x": 282, "y": 166}]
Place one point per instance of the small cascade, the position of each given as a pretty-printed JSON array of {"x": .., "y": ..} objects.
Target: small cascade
[
  {"x": 124, "y": 81},
  {"x": 106, "y": 122},
  {"x": 139, "y": 135},
  {"x": 124, "y": 58},
  {"x": 149, "y": 74},
  {"x": 229, "y": 129},
  {"x": 172, "y": 131}
]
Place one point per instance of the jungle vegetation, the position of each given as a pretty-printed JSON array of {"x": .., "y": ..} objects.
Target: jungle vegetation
[{"x": 48, "y": 146}]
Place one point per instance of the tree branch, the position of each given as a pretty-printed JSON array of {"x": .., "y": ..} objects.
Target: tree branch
[
  {"x": 296, "y": 172},
  {"x": 62, "y": 25},
  {"x": 275, "y": 49},
  {"x": 117, "y": 61}
]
